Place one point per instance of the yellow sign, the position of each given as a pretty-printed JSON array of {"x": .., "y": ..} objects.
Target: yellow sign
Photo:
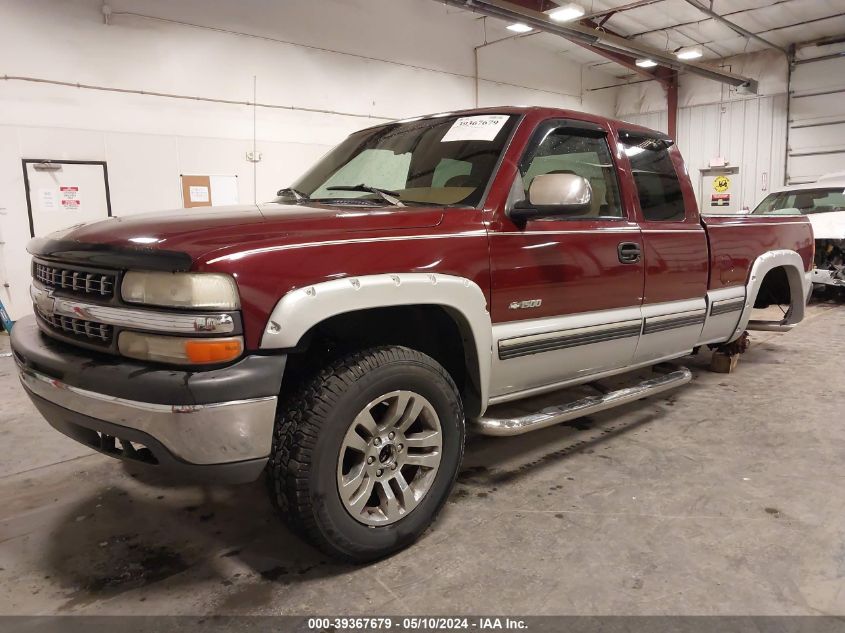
[{"x": 721, "y": 183}]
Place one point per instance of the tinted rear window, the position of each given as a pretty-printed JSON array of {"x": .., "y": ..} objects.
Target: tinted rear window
[{"x": 658, "y": 186}]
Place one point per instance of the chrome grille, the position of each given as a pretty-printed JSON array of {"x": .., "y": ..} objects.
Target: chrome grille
[
  {"x": 87, "y": 331},
  {"x": 79, "y": 282}
]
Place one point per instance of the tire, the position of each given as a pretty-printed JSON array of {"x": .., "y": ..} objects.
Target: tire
[{"x": 326, "y": 415}]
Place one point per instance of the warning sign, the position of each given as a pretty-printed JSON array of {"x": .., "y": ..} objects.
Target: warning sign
[
  {"x": 720, "y": 199},
  {"x": 721, "y": 183},
  {"x": 69, "y": 197}
]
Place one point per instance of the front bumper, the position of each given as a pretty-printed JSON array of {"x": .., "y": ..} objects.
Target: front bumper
[
  {"x": 214, "y": 425},
  {"x": 826, "y": 278}
]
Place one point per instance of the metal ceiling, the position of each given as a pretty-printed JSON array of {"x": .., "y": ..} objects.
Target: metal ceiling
[
  {"x": 671, "y": 24},
  {"x": 600, "y": 39},
  {"x": 667, "y": 25}
]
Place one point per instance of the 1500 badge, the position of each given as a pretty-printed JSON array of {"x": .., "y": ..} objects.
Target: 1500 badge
[{"x": 523, "y": 305}]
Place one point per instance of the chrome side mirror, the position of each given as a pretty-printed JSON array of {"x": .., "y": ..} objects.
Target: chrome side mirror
[{"x": 554, "y": 194}]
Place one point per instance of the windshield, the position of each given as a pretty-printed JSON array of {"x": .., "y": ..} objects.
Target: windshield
[
  {"x": 802, "y": 201},
  {"x": 444, "y": 161}
]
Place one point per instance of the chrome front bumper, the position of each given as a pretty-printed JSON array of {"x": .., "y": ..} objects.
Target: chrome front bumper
[{"x": 204, "y": 434}]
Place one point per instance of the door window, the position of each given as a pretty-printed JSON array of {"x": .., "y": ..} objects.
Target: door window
[
  {"x": 658, "y": 186},
  {"x": 559, "y": 149}
]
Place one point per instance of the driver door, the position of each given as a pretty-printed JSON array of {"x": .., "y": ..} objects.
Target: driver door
[{"x": 566, "y": 290}]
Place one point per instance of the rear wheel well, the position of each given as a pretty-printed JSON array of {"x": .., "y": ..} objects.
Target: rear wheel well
[
  {"x": 774, "y": 289},
  {"x": 431, "y": 329}
]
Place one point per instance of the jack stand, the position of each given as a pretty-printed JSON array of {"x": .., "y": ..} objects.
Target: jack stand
[{"x": 726, "y": 357}]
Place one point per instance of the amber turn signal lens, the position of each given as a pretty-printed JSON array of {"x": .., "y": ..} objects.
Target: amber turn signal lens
[
  {"x": 213, "y": 351},
  {"x": 179, "y": 350}
]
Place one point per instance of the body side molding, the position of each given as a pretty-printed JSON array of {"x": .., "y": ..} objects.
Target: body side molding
[
  {"x": 303, "y": 308},
  {"x": 725, "y": 305}
]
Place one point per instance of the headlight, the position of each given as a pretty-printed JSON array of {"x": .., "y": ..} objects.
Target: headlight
[
  {"x": 178, "y": 350},
  {"x": 181, "y": 290}
]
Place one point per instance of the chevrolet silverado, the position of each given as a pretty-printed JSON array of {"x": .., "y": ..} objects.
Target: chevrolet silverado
[{"x": 425, "y": 276}]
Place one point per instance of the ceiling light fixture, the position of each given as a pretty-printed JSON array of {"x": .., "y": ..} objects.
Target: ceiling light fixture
[
  {"x": 566, "y": 12},
  {"x": 646, "y": 63},
  {"x": 519, "y": 27},
  {"x": 691, "y": 52}
]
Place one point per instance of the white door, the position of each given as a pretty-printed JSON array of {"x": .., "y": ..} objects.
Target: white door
[
  {"x": 63, "y": 194},
  {"x": 816, "y": 116}
]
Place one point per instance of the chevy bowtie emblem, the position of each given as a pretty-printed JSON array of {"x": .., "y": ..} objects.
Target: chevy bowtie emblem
[{"x": 46, "y": 303}]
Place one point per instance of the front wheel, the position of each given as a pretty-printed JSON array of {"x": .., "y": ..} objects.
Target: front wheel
[{"x": 366, "y": 453}]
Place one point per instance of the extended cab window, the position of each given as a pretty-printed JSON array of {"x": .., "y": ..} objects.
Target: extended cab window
[
  {"x": 802, "y": 201},
  {"x": 658, "y": 186},
  {"x": 445, "y": 160},
  {"x": 564, "y": 150}
]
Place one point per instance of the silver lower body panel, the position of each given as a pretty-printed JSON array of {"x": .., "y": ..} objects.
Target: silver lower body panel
[{"x": 216, "y": 433}]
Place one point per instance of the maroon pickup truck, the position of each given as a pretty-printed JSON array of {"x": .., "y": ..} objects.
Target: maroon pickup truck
[{"x": 422, "y": 277}]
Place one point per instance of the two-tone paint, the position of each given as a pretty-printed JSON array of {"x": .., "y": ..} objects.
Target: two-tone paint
[{"x": 591, "y": 314}]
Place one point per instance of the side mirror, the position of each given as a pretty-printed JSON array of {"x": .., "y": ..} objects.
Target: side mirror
[{"x": 554, "y": 194}]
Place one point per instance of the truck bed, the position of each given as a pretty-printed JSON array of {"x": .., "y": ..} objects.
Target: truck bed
[{"x": 735, "y": 241}]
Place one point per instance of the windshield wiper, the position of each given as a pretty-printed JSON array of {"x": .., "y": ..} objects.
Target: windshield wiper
[
  {"x": 290, "y": 191},
  {"x": 385, "y": 194}
]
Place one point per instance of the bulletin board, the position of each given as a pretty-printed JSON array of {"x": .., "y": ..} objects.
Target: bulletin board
[
  {"x": 64, "y": 193},
  {"x": 209, "y": 191}
]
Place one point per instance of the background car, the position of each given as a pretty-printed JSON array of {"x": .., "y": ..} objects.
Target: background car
[{"x": 823, "y": 202}]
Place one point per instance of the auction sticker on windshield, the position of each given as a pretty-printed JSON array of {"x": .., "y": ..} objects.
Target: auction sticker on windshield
[{"x": 475, "y": 128}]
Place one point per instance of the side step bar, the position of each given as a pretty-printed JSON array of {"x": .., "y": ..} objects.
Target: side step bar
[
  {"x": 517, "y": 425},
  {"x": 769, "y": 326}
]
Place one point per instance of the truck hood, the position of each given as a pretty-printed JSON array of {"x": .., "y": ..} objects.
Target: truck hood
[
  {"x": 828, "y": 226},
  {"x": 197, "y": 232}
]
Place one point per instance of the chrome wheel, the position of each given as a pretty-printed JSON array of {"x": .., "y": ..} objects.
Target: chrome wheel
[{"x": 389, "y": 458}]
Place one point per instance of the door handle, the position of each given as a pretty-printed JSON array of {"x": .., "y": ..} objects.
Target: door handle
[{"x": 629, "y": 252}]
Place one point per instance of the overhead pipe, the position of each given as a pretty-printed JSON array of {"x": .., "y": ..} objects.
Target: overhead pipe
[
  {"x": 620, "y": 8},
  {"x": 735, "y": 27},
  {"x": 599, "y": 40}
]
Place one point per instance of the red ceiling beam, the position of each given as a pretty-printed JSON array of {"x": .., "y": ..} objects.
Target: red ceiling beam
[
  {"x": 536, "y": 5},
  {"x": 666, "y": 77},
  {"x": 672, "y": 104}
]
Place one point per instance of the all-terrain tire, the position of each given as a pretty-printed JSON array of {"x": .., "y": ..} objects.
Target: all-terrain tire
[{"x": 311, "y": 423}]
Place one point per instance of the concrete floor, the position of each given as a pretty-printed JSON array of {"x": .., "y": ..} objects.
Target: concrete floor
[{"x": 724, "y": 497}]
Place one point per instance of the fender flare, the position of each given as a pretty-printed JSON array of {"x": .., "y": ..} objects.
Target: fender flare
[
  {"x": 799, "y": 286},
  {"x": 302, "y": 308}
]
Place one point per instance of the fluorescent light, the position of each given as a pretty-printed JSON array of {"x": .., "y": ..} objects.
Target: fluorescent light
[
  {"x": 519, "y": 27},
  {"x": 693, "y": 52},
  {"x": 646, "y": 63},
  {"x": 566, "y": 12}
]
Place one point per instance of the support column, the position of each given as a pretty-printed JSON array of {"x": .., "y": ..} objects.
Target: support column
[{"x": 672, "y": 103}]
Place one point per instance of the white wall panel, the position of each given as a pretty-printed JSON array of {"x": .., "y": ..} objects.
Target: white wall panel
[
  {"x": 748, "y": 133},
  {"x": 715, "y": 120},
  {"x": 654, "y": 120},
  {"x": 141, "y": 168},
  {"x": 416, "y": 58}
]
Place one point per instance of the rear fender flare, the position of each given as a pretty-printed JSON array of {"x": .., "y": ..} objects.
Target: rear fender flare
[
  {"x": 799, "y": 286},
  {"x": 301, "y": 309}
]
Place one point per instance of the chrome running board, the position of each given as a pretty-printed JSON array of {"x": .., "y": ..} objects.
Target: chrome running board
[{"x": 549, "y": 416}]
